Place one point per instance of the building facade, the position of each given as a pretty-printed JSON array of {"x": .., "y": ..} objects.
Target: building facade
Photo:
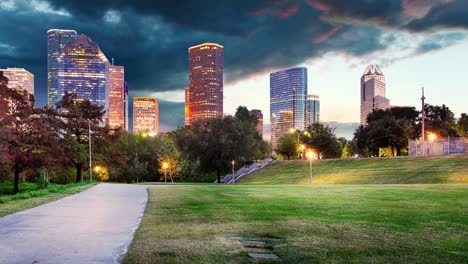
[
  {"x": 116, "y": 116},
  {"x": 145, "y": 115},
  {"x": 313, "y": 110},
  {"x": 204, "y": 96},
  {"x": 126, "y": 105},
  {"x": 57, "y": 39},
  {"x": 259, "y": 115},
  {"x": 19, "y": 78},
  {"x": 288, "y": 99},
  {"x": 84, "y": 69},
  {"x": 372, "y": 92}
]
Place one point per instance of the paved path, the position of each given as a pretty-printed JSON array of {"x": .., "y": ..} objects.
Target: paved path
[{"x": 94, "y": 226}]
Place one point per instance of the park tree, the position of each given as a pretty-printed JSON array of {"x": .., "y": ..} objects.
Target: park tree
[
  {"x": 213, "y": 143},
  {"x": 23, "y": 134},
  {"x": 322, "y": 138},
  {"x": 288, "y": 146},
  {"x": 390, "y": 128},
  {"x": 76, "y": 117},
  {"x": 440, "y": 120},
  {"x": 462, "y": 125}
]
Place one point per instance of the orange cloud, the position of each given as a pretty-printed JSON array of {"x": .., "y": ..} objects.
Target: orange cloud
[
  {"x": 320, "y": 5},
  {"x": 327, "y": 35}
]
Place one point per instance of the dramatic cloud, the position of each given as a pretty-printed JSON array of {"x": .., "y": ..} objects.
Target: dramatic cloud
[{"x": 151, "y": 38}]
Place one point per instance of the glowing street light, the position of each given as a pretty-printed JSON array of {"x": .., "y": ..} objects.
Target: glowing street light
[
  {"x": 302, "y": 150},
  {"x": 97, "y": 169},
  {"x": 432, "y": 137},
  {"x": 165, "y": 165},
  {"x": 144, "y": 135},
  {"x": 310, "y": 155}
]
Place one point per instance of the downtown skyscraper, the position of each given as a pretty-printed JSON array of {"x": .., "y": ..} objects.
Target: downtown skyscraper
[
  {"x": 204, "y": 96},
  {"x": 313, "y": 110},
  {"x": 145, "y": 115},
  {"x": 372, "y": 92},
  {"x": 19, "y": 78},
  {"x": 57, "y": 39},
  {"x": 117, "y": 102},
  {"x": 83, "y": 68},
  {"x": 259, "y": 115},
  {"x": 288, "y": 101}
]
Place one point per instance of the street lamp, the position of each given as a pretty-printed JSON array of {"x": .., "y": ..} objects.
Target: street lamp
[
  {"x": 165, "y": 165},
  {"x": 97, "y": 168},
  {"x": 302, "y": 150},
  {"x": 310, "y": 155}
]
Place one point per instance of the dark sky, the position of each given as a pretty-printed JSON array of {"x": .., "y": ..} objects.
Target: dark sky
[{"x": 150, "y": 38}]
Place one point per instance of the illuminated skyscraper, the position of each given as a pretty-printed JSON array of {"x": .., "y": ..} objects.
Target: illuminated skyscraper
[
  {"x": 372, "y": 92},
  {"x": 259, "y": 115},
  {"x": 56, "y": 41},
  {"x": 313, "y": 109},
  {"x": 204, "y": 97},
  {"x": 116, "y": 116},
  {"x": 145, "y": 115},
  {"x": 84, "y": 69},
  {"x": 19, "y": 78},
  {"x": 288, "y": 97},
  {"x": 126, "y": 105}
]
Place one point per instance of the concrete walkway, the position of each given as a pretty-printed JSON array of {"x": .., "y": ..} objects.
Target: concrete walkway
[{"x": 94, "y": 226}]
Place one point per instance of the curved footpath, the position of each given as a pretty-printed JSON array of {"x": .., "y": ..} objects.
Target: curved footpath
[{"x": 94, "y": 226}]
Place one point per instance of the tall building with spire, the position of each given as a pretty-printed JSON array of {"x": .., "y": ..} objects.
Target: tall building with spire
[
  {"x": 288, "y": 101},
  {"x": 145, "y": 115},
  {"x": 19, "y": 78},
  {"x": 204, "y": 96},
  {"x": 372, "y": 92},
  {"x": 83, "y": 68},
  {"x": 116, "y": 116},
  {"x": 57, "y": 39}
]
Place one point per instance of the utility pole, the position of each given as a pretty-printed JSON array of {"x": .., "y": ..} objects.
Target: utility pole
[
  {"x": 90, "y": 162},
  {"x": 423, "y": 117}
]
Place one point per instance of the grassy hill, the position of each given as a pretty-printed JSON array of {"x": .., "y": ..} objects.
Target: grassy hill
[{"x": 399, "y": 170}]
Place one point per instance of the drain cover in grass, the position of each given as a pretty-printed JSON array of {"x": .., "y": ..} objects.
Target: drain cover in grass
[
  {"x": 262, "y": 256},
  {"x": 253, "y": 242}
]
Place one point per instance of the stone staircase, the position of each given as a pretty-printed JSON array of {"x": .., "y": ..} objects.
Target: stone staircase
[{"x": 246, "y": 170}]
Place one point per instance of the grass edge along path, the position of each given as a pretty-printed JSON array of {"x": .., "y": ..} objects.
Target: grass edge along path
[
  {"x": 10, "y": 204},
  {"x": 426, "y": 223}
]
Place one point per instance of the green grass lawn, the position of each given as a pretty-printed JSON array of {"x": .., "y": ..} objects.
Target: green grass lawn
[
  {"x": 400, "y": 170},
  {"x": 29, "y": 197},
  {"x": 305, "y": 224}
]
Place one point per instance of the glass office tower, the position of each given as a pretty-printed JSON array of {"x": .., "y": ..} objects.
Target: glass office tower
[
  {"x": 56, "y": 41},
  {"x": 288, "y": 98},
  {"x": 84, "y": 69},
  {"x": 313, "y": 109}
]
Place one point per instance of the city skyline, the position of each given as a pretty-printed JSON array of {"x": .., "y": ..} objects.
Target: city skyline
[{"x": 419, "y": 40}]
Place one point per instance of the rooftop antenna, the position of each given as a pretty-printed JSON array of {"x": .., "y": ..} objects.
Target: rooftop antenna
[{"x": 112, "y": 61}]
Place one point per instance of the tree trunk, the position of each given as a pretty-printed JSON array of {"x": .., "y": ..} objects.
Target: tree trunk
[
  {"x": 398, "y": 151},
  {"x": 79, "y": 168},
  {"x": 289, "y": 156},
  {"x": 16, "y": 184},
  {"x": 218, "y": 172}
]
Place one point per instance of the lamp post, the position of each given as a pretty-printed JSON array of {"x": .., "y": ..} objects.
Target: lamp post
[
  {"x": 310, "y": 155},
  {"x": 233, "y": 162},
  {"x": 89, "y": 146},
  {"x": 165, "y": 165}
]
